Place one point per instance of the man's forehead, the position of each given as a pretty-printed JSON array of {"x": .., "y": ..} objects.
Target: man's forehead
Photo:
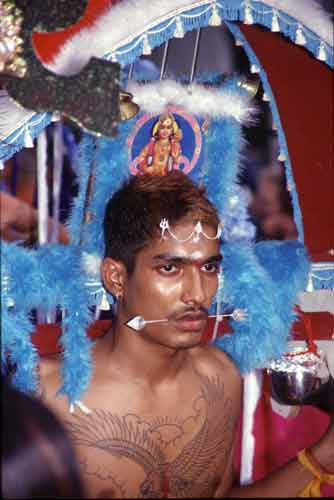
[
  {"x": 168, "y": 246},
  {"x": 181, "y": 254}
]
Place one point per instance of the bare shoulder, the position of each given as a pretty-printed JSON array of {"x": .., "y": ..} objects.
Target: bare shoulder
[
  {"x": 225, "y": 361},
  {"x": 211, "y": 358},
  {"x": 213, "y": 362}
]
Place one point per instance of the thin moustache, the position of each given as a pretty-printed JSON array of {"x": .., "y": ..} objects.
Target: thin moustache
[{"x": 193, "y": 316}]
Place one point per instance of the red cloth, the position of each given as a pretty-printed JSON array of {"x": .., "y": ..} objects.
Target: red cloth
[
  {"x": 46, "y": 336},
  {"x": 48, "y": 44},
  {"x": 322, "y": 324},
  {"x": 303, "y": 90}
]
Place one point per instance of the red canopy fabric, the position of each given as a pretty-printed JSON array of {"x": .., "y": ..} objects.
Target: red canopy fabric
[{"x": 302, "y": 87}]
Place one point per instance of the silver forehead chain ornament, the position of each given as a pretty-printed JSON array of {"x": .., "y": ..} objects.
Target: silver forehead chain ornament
[{"x": 194, "y": 235}]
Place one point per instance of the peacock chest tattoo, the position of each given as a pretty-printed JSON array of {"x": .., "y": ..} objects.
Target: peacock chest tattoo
[{"x": 165, "y": 456}]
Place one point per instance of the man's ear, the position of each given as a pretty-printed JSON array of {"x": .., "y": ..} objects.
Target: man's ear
[{"x": 113, "y": 273}]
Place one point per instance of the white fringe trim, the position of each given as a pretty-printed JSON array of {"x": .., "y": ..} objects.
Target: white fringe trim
[{"x": 129, "y": 18}]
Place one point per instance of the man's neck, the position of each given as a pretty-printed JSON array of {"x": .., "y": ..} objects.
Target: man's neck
[{"x": 140, "y": 359}]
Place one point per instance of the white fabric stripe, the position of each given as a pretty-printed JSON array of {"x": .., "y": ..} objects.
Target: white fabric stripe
[{"x": 252, "y": 394}]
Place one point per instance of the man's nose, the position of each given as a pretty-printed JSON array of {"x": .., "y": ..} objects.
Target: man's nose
[{"x": 193, "y": 287}]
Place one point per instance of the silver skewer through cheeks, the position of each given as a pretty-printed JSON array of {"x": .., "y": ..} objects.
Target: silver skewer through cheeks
[{"x": 138, "y": 322}]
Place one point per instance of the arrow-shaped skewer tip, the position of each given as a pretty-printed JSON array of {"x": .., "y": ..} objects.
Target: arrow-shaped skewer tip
[{"x": 137, "y": 323}]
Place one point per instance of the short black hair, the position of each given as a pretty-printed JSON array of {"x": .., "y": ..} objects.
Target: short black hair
[{"x": 134, "y": 212}]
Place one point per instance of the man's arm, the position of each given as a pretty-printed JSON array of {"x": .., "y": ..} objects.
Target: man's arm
[
  {"x": 289, "y": 480},
  {"x": 19, "y": 221}
]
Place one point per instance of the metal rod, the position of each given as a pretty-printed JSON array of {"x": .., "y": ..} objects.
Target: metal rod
[
  {"x": 195, "y": 55},
  {"x": 164, "y": 60},
  {"x": 156, "y": 321},
  {"x": 42, "y": 204},
  {"x": 224, "y": 315},
  {"x": 58, "y": 151},
  {"x": 130, "y": 71},
  {"x": 42, "y": 190},
  {"x": 89, "y": 192}
]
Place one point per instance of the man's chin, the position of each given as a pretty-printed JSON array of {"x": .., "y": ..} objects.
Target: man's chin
[{"x": 187, "y": 339}]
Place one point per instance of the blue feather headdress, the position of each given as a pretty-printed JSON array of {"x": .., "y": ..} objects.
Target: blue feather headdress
[{"x": 263, "y": 278}]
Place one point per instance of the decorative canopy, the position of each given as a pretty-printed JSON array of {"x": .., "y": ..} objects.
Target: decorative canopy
[
  {"x": 295, "y": 71},
  {"x": 299, "y": 85}
]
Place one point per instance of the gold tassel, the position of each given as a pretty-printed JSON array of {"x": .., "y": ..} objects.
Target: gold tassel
[
  {"x": 248, "y": 14},
  {"x": 274, "y": 22},
  {"x": 55, "y": 116},
  {"x": 146, "y": 46},
  {"x": 27, "y": 139},
  {"x": 310, "y": 287},
  {"x": 215, "y": 19},
  {"x": 178, "y": 33},
  {"x": 300, "y": 38},
  {"x": 104, "y": 305},
  {"x": 322, "y": 53}
]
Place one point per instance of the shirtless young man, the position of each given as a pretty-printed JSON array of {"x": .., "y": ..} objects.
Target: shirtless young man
[{"x": 164, "y": 407}]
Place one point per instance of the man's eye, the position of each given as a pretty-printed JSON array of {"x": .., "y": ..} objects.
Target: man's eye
[
  {"x": 168, "y": 269},
  {"x": 211, "y": 268}
]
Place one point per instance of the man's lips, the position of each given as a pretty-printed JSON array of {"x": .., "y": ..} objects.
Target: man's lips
[
  {"x": 191, "y": 321},
  {"x": 192, "y": 316}
]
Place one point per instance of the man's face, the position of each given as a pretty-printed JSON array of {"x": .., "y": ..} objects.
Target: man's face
[{"x": 176, "y": 281}]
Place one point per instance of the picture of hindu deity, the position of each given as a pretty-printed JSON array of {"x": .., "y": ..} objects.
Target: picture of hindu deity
[
  {"x": 170, "y": 140},
  {"x": 163, "y": 152}
]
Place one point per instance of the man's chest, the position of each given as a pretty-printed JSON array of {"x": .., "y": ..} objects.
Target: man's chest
[{"x": 168, "y": 449}]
